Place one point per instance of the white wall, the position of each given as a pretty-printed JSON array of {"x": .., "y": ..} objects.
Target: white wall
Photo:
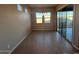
[{"x": 14, "y": 26}]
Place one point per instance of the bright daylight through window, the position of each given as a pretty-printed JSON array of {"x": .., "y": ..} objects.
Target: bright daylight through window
[{"x": 40, "y": 17}]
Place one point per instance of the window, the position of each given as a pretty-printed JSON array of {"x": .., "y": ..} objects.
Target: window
[
  {"x": 47, "y": 17},
  {"x": 25, "y": 9},
  {"x": 43, "y": 17},
  {"x": 19, "y": 7},
  {"x": 38, "y": 17}
]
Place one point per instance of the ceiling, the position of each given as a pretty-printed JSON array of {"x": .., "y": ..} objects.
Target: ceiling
[{"x": 42, "y": 5}]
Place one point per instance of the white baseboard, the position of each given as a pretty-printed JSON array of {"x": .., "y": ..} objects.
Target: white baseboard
[{"x": 18, "y": 43}]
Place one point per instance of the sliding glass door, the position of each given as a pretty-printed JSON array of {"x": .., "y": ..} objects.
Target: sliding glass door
[{"x": 64, "y": 24}]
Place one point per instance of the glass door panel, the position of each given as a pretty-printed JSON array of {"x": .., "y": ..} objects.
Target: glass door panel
[
  {"x": 69, "y": 25},
  {"x": 61, "y": 23},
  {"x": 58, "y": 14},
  {"x": 64, "y": 21}
]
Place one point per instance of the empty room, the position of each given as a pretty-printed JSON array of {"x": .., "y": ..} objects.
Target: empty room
[{"x": 39, "y": 28}]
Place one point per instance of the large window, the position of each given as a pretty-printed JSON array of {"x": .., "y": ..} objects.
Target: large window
[{"x": 43, "y": 17}]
